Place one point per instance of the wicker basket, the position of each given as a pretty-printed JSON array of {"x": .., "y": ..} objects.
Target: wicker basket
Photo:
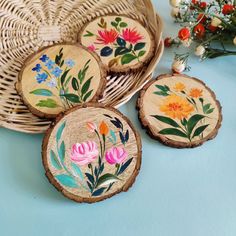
[{"x": 28, "y": 25}]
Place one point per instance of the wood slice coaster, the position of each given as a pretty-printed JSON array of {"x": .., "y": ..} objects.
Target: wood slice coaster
[
  {"x": 179, "y": 111},
  {"x": 59, "y": 77},
  {"x": 91, "y": 153},
  {"x": 122, "y": 43}
]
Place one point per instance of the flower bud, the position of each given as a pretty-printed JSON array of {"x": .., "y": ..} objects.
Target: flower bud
[
  {"x": 175, "y": 3},
  {"x": 178, "y": 66},
  {"x": 175, "y": 12},
  {"x": 216, "y": 22},
  {"x": 199, "y": 51},
  {"x": 234, "y": 40}
]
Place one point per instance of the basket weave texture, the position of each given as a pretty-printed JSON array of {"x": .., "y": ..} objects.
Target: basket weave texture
[{"x": 28, "y": 25}]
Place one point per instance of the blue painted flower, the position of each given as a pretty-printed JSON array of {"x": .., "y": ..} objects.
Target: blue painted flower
[
  {"x": 41, "y": 77},
  {"x": 50, "y": 64},
  {"x": 52, "y": 83},
  {"x": 57, "y": 72},
  {"x": 70, "y": 63},
  {"x": 44, "y": 58},
  {"x": 37, "y": 68}
]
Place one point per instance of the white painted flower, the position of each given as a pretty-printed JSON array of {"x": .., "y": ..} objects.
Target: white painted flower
[
  {"x": 178, "y": 66},
  {"x": 187, "y": 43},
  {"x": 199, "y": 51},
  {"x": 175, "y": 3},
  {"x": 216, "y": 22},
  {"x": 234, "y": 40},
  {"x": 175, "y": 12}
]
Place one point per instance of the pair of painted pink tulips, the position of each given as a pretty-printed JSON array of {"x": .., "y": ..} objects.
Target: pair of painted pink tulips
[{"x": 86, "y": 152}]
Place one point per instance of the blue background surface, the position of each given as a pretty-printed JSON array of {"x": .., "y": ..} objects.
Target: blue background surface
[{"x": 178, "y": 192}]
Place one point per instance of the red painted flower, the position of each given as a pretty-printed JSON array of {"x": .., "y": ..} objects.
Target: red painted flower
[
  {"x": 107, "y": 36},
  {"x": 168, "y": 42},
  {"x": 199, "y": 30},
  {"x": 227, "y": 9},
  {"x": 201, "y": 18},
  {"x": 203, "y": 5},
  {"x": 184, "y": 34},
  {"x": 131, "y": 36}
]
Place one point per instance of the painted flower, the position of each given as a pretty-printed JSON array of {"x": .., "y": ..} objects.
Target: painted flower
[
  {"x": 52, "y": 83},
  {"x": 91, "y": 127},
  {"x": 199, "y": 30},
  {"x": 179, "y": 87},
  {"x": 184, "y": 34},
  {"x": 103, "y": 128},
  {"x": 195, "y": 93},
  {"x": 116, "y": 155},
  {"x": 84, "y": 153},
  {"x": 70, "y": 63},
  {"x": 44, "y": 58},
  {"x": 107, "y": 36},
  {"x": 50, "y": 64},
  {"x": 57, "y": 72},
  {"x": 228, "y": 9},
  {"x": 37, "y": 68},
  {"x": 176, "y": 107},
  {"x": 92, "y": 48},
  {"x": 131, "y": 36},
  {"x": 41, "y": 77}
]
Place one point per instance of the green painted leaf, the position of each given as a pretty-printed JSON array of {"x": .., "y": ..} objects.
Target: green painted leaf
[
  {"x": 167, "y": 120},
  {"x": 121, "y": 51},
  {"x": 172, "y": 131},
  {"x": 75, "y": 84},
  {"x": 62, "y": 152},
  {"x": 72, "y": 97},
  {"x": 87, "y": 95},
  {"x": 89, "y": 34},
  {"x": 67, "y": 81},
  {"x": 163, "y": 88},
  {"x": 90, "y": 178},
  {"x": 210, "y": 111},
  {"x": 123, "y": 24},
  {"x": 106, "y": 179},
  {"x": 86, "y": 86},
  {"x": 60, "y": 130},
  {"x": 184, "y": 122},
  {"x": 54, "y": 161},
  {"x": 199, "y": 130},
  {"x": 114, "y": 24},
  {"x": 141, "y": 53},
  {"x": 206, "y": 108},
  {"x": 113, "y": 135},
  {"x": 139, "y": 46},
  {"x": 127, "y": 58},
  {"x": 118, "y": 19},
  {"x": 193, "y": 121},
  {"x": 161, "y": 93},
  {"x": 125, "y": 166},
  {"x": 49, "y": 103},
  {"x": 98, "y": 192},
  {"x": 66, "y": 180},
  {"x": 42, "y": 92},
  {"x": 121, "y": 42},
  {"x": 77, "y": 171},
  {"x": 63, "y": 77}
]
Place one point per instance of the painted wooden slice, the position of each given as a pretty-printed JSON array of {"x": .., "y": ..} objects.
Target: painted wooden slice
[
  {"x": 92, "y": 153},
  {"x": 179, "y": 111},
  {"x": 122, "y": 43},
  {"x": 60, "y": 77}
]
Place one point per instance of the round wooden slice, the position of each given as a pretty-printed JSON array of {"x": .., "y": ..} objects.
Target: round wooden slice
[
  {"x": 179, "y": 111},
  {"x": 122, "y": 43},
  {"x": 59, "y": 77},
  {"x": 92, "y": 153}
]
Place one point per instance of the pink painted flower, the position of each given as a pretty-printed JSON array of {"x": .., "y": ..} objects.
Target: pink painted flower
[
  {"x": 92, "y": 48},
  {"x": 91, "y": 127},
  {"x": 107, "y": 36},
  {"x": 84, "y": 153},
  {"x": 131, "y": 36},
  {"x": 116, "y": 155}
]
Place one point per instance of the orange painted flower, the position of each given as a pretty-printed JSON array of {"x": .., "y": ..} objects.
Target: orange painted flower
[
  {"x": 107, "y": 36},
  {"x": 103, "y": 128},
  {"x": 176, "y": 107},
  {"x": 131, "y": 36},
  {"x": 195, "y": 93},
  {"x": 179, "y": 87}
]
